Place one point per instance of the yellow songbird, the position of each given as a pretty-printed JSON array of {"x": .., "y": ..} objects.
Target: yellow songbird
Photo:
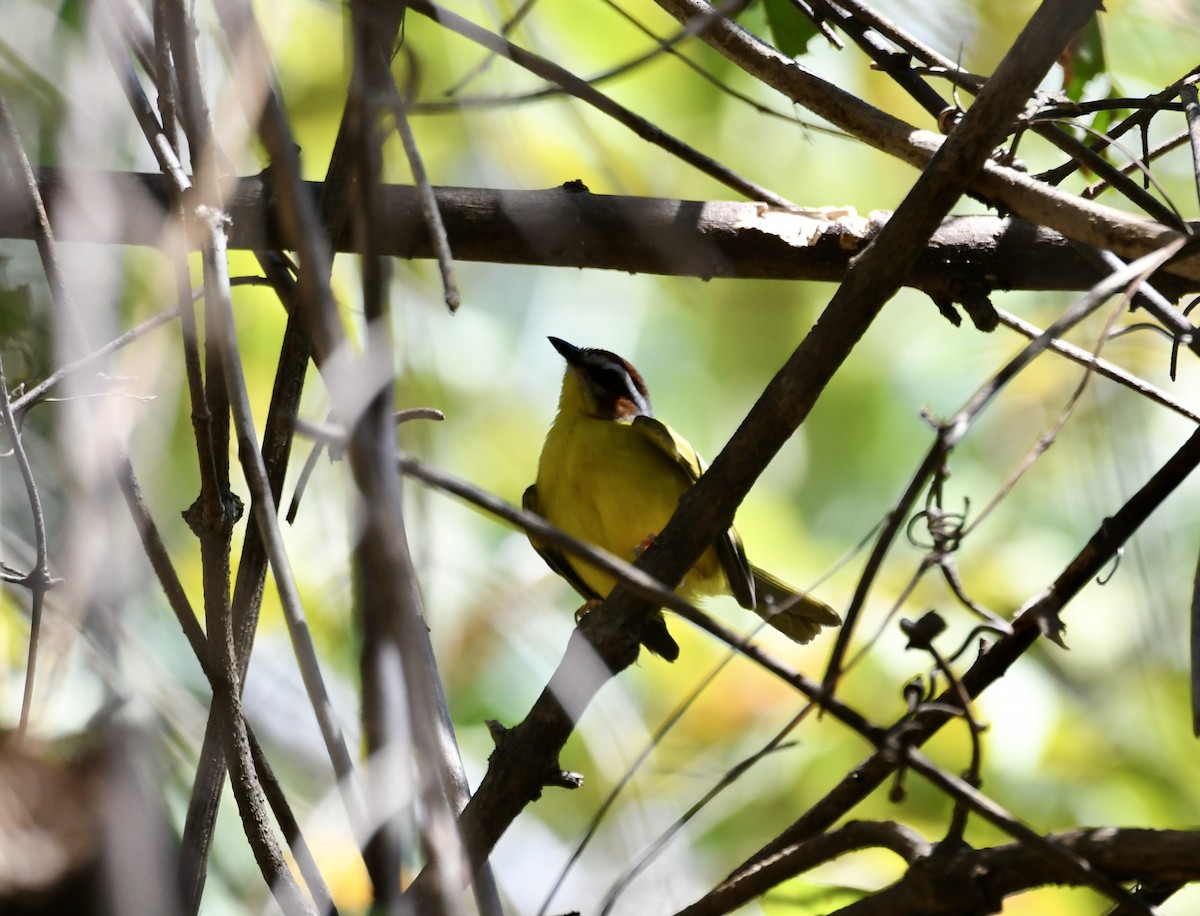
[{"x": 612, "y": 475}]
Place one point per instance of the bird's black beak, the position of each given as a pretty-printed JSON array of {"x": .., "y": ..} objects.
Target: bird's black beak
[{"x": 571, "y": 353}]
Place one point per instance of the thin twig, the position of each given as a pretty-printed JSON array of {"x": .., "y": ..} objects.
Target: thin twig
[
  {"x": 1101, "y": 367},
  {"x": 587, "y": 93},
  {"x": 1172, "y": 319},
  {"x": 892, "y": 32},
  {"x": 1166, "y": 213},
  {"x": 429, "y": 205},
  {"x": 177, "y": 598},
  {"x": 380, "y": 562},
  {"x": 1048, "y": 438},
  {"x": 895, "y": 521},
  {"x": 887, "y": 59},
  {"x": 1092, "y": 191},
  {"x": 824, "y": 847},
  {"x": 1074, "y": 864},
  {"x": 1078, "y": 219},
  {"x": 630, "y": 771},
  {"x": 1038, "y": 615},
  {"x": 1127, "y": 275},
  {"x": 227, "y": 699},
  {"x": 296, "y": 213},
  {"x": 160, "y": 144},
  {"x": 920, "y": 638},
  {"x": 729, "y": 778},
  {"x": 1139, "y": 118},
  {"x": 484, "y": 65},
  {"x": 1187, "y": 92},
  {"x": 38, "y": 580},
  {"x": 266, "y": 517},
  {"x": 32, "y": 396}
]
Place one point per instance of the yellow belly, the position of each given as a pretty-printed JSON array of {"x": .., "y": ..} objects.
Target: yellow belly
[{"x": 602, "y": 482}]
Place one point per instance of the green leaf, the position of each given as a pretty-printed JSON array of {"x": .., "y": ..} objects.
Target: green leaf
[
  {"x": 790, "y": 28},
  {"x": 73, "y": 16},
  {"x": 1083, "y": 60}
]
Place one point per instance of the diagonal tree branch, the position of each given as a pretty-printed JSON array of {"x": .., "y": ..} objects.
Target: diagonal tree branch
[
  {"x": 989, "y": 667},
  {"x": 526, "y": 760}
]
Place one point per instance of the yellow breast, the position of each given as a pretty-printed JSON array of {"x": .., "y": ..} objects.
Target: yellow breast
[{"x": 602, "y": 482}]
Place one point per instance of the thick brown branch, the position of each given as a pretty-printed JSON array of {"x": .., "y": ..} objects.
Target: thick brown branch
[
  {"x": 562, "y": 227},
  {"x": 969, "y": 881}
]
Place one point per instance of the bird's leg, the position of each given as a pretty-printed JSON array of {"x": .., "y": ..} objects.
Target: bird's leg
[
  {"x": 644, "y": 546},
  {"x": 587, "y": 607}
]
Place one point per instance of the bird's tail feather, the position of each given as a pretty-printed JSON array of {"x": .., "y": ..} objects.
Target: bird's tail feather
[{"x": 796, "y": 614}]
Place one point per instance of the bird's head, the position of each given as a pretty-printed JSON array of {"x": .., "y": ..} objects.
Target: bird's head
[{"x": 601, "y": 384}]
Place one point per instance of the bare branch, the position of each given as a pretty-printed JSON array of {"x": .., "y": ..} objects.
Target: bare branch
[
  {"x": 434, "y": 226},
  {"x": 587, "y": 93},
  {"x": 806, "y": 855},
  {"x": 568, "y": 227},
  {"x": 970, "y": 881},
  {"x": 1081, "y": 220},
  {"x": 38, "y": 579},
  {"x": 990, "y": 666},
  {"x": 1101, "y": 367}
]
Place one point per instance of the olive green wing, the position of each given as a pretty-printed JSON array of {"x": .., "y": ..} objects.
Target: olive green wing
[
  {"x": 730, "y": 552},
  {"x": 555, "y": 558}
]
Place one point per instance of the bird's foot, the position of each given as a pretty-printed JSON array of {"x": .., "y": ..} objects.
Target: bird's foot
[{"x": 644, "y": 546}]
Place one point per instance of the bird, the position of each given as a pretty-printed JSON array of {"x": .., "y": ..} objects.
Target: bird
[{"x": 611, "y": 474}]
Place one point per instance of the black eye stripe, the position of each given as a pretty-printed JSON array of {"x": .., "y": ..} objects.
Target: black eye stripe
[
  {"x": 611, "y": 375},
  {"x": 614, "y": 380}
]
